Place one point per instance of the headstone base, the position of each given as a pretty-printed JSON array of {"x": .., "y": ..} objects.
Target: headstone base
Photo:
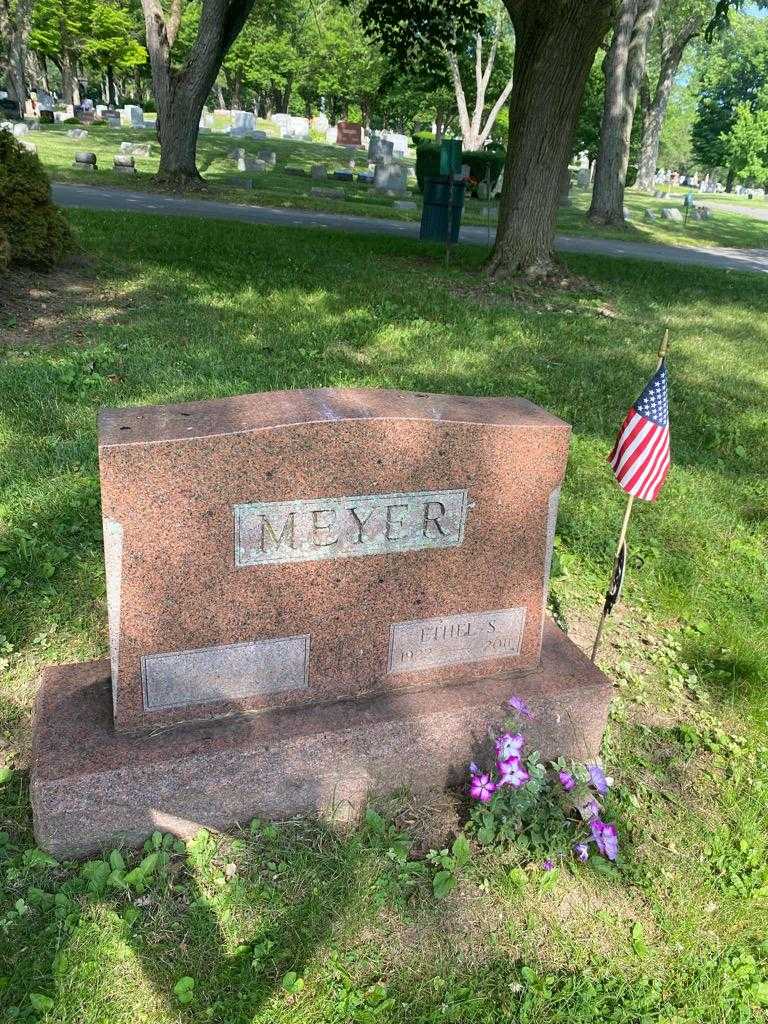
[{"x": 93, "y": 788}]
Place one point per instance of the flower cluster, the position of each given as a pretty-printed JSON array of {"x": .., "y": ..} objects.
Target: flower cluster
[{"x": 581, "y": 785}]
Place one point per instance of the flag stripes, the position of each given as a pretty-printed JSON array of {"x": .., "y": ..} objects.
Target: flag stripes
[{"x": 641, "y": 455}]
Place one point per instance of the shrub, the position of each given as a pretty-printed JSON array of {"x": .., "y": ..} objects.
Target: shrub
[
  {"x": 428, "y": 162},
  {"x": 481, "y": 161},
  {"x": 71, "y": 120},
  {"x": 34, "y": 228},
  {"x": 421, "y": 137}
]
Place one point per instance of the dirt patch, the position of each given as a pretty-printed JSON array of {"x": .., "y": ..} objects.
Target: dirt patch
[{"x": 39, "y": 308}]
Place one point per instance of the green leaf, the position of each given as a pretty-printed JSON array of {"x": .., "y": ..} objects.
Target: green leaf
[
  {"x": 374, "y": 821},
  {"x": 96, "y": 873},
  {"x": 184, "y": 989},
  {"x": 40, "y": 1003},
  {"x": 116, "y": 861},
  {"x": 639, "y": 944},
  {"x": 38, "y": 859},
  {"x": 443, "y": 883},
  {"x": 6, "y": 774},
  {"x": 292, "y": 983},
  {"x": 461, "y": 850}
]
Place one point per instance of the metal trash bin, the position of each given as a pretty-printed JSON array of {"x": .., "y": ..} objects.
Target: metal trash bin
[{"x": 436, "y": 212}]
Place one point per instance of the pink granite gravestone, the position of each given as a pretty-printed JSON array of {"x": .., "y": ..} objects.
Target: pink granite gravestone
[{"x": 297, "y": 577}]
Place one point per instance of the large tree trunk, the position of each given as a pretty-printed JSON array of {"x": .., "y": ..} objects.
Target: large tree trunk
[
  {"x": 181, "y": 95},
  {"x": 70, "y": 86},
  {"x": 14, "y": 26},
  {"x": 624, "y": 70},
  {"x": 111, "y": 98},
  {"x": 656, "y": 109},
  {"x": 555, "y": 46}
]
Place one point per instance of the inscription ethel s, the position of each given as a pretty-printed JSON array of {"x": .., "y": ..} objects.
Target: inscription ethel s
[
  {"x": 455, "y": 639},
  {"x": 267, "y": 533}
]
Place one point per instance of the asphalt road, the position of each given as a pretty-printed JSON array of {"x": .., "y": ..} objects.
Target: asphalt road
[{"x": 92, "y": 198}]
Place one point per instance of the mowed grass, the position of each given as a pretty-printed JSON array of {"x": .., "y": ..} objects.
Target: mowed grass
[
  {"x": 186, "y": 310},
  {"x": 277, "y": 188}
]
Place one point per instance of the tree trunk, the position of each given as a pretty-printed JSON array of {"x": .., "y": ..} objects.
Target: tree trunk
[
  {"x": 67, "y": 79},
  {"x": 181, "y": 95},
  {"x": 14, "y": 26},
  {"x": 731, "y": 178},
  {"x": 656, "y": 109},
  {"x": 111, "y": 98},
  {"x": 554, "y": 50},
  {"x": 624, "y": 70},
  {"x": 473, "y": 133}
]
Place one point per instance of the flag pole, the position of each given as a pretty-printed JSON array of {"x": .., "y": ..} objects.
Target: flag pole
[{"x": 620, "y": 556}]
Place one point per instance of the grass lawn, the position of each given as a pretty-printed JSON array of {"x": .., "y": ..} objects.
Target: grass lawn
[
  {"x": 277, "y": 188},
  {"x": 302, "y": 923}
]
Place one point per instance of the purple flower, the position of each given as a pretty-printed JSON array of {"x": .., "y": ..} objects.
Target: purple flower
[
  {"x": 518, "y": 704},
  {"x": 581, "y": 851},
  {"x": 597, "y": 778},
  {"x": 482, "y": 788},
  {"x": 548, "y": 864},
  {"x": 509, "y": 745},
  {"x": 606, "y": 837},
  {"x": 473, "y": 769},
  {"x": 591, "y": 808},
  {"x": 512, "y": 772},
  {"x": 567, "y": 781}
]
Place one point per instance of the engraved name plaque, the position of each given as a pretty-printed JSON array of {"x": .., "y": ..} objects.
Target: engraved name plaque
[
  {"x": 455, "y": 639},
  {"x": 267, "y": 533},
  {"x": 228, "y": 672}
]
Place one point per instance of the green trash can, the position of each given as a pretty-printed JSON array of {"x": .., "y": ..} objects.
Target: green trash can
[{"x": 436, "y": 211}]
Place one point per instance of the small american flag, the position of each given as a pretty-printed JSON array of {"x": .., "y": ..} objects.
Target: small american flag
[{"x": 640, "y": 457}]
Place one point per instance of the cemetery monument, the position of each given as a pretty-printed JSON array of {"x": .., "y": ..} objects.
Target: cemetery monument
[{"x": 312, "y": 596}]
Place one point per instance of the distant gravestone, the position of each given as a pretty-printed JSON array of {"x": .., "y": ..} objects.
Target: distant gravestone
[
  {"x": 343, "y": 175},
  {"x": 365, "y": 178},
  {"x": 326, "y": 193},
  {"x": 318, "y": 172},
  {"x": 85, "y": 161},
  {"x": 671, "y": 213},
  {"x": 133, "y": 116},
  {"x": 269, "y": 156},
  {"x": 124, "y": 163},
  {"x": 315, "y": 621},
  {"x": 399, "y": 142},
  {"x": 380, "y": 150},
  {"x": 297, "y": 172},
  {"x": 404, "y": 204},
  {"x": 259, "y": 133},
  {"x": 77, "y": 133},
  {"x": 349, "y": 133},
  {"x": 390, "y": 178},
  {"x": 649, "y": 214},
  {"x": 584, "y": 177},
  {"x": 243, "y": 122}
]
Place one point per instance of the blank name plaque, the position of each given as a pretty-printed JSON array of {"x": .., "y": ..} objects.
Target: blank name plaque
[{"x": 226, "y": 672}]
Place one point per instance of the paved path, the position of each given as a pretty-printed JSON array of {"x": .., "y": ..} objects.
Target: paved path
[{"x": 92, "y": 198}]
